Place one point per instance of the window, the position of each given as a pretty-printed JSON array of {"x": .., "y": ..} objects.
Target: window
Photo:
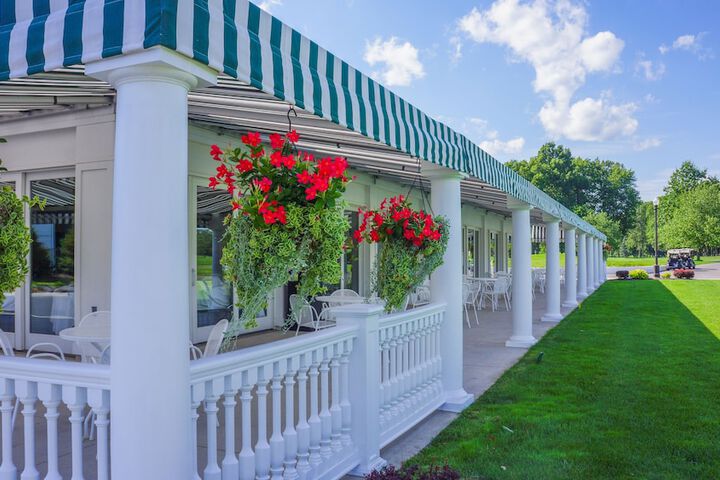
[
  {"x": 471, "y": 260},
  {"x": 494, "y": 250}
]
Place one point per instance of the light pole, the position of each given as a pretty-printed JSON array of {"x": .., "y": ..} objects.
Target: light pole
[{"x": 656, "y": 202}]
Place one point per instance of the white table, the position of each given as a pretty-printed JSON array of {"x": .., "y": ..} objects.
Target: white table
[{"x": 96, "y": 335}]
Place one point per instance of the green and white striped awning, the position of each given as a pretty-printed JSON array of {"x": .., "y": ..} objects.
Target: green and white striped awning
[{"x": 238, "y": 38}]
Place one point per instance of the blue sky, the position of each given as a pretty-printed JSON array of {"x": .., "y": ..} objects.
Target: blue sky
[{"x": 635, "y": 81}]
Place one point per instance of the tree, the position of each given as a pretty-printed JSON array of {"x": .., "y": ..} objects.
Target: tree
[
  {"x": 695, "y": 220},
  {"x": 685, "y": 178},
  {"x": 552, "y": 171},
  {"x": 638, "y": 239},
  {"x": 610, "y": 227}
]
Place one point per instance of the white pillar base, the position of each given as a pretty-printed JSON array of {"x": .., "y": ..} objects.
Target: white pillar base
[
  {"x": 551, "y": 317},
  {"x": 521, "y": 342},
  {"x": 457, "y": 401},
  {"x": 582, "y": 296},
  {"x": 570, "y": 304}
]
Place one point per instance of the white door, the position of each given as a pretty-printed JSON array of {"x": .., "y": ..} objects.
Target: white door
[
  {"x": 12, "y": 306},
  {"x": 211, "y": 296},
  {"x": 50, "y": 302}
]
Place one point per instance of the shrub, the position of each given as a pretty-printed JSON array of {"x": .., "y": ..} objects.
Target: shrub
[
  {"x": 665, "y": 275},
  {"x": 414, "y": 472},
  {"x": 622, "y": 274},
  {"x": 639, "y": 274},
  {"x": 684, "y": 273}
]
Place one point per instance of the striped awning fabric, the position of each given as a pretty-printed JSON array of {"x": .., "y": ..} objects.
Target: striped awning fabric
[{"x": 238, "y": 38}]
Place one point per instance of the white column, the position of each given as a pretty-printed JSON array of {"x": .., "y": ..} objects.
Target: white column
[
  {"x": 570, "y": 268},
  {"x": 590, "y": 273},
  {"x": 446, "y": 284},
  {"x": 552, "y": 269},
  {"x": 600, "y": 259},
  {"x": 150, "y": 390},
  {"x": 582, "y": 267},
  {"x": 522, "y": 335},
  {"x": 603, "y": 267}
]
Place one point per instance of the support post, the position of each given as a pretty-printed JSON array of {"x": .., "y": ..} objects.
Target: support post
[
  {"x": 552, "y": 269},
  {"x": 150, "y": 282},
  {"x": 582, "y": 267},
  {"x": 590, "y": 273},
  {"x": 603, "y": 266},
  {"x": 522, "y": 335},
  {"x": 598, "y": 262},
  {"x": 364, "y": 370},
  {"x": 570, "y": 268},
  {"x": 446, "y": 284}
]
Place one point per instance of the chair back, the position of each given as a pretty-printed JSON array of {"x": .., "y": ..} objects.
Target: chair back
[
  {"x": 6, "y": 345},
  {"x": 467, "y": 293},
  {"x": 99, "y": 318},
  {"x": 51, "y": 351},
  {"x": 212, "y": 347},
  {"x": 501, "y": 285},
  {"x": 344, "y": 292}
]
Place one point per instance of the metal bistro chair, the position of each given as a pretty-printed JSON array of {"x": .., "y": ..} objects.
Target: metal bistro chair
[
  {"x": 500, "y": 288},
  {"x": 306, "y": 314},
  {"x": 214, "y": 341},
  {"x": 468, "y": 294}
]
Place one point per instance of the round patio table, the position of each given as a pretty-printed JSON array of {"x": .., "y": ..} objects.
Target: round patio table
[{"x": 96, "y": 335}]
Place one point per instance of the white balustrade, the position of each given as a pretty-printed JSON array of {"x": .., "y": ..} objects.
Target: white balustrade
[{"x": 67, "y": 393}]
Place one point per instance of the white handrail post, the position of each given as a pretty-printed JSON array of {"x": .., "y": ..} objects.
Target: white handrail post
[{"x": 364, "y": 369}]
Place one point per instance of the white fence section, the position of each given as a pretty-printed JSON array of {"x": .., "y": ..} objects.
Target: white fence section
[
  {"x": 58, "y": 403},
  {"x": 315, "y": 406}
]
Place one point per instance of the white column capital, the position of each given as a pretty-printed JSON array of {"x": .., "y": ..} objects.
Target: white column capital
[
  {"x": 515, "y": 204},
  {"x": 157, "y": 63},
  {"x": 547, "y": 218},
  {"x": 438, "y": 172},
  {"x": 569, "y": 228}
]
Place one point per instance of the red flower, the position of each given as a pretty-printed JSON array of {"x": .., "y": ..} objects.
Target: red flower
[
  {"x": 378, "y": 219},
  {"x": 311, "y": 193},
  {"x": 235, "y": 205},
  {"x": 215, "y": 152},
  {"x": 436, "y": 236},
  {"x": 213, "y": 182},
  {"x": 264, "y": 184},
  {"x": 252, "y": 139},
  {"x": 276, "y": 159},
  {"x": 357, "y": 235},
  {"x": 409, "y": 234},
  {"x": 374, "y": 235},
  {"x": 289, "y": 162},
  {"x": 222, "y": 170},
  {"x": 293, "y": 136},
  {"x": 277, "y": 142},
  {"x": 245, "y": 165},
  {"x": 389, "y": 231},
  {"x": 304, "y": 177}
]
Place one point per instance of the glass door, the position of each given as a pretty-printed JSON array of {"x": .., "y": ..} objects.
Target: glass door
[
  {"x": 211, "y": 296},
  {"x": 494, "y": 250},
  {"x": 50, "y": 289},
  {"x": 13, "y": 301}
]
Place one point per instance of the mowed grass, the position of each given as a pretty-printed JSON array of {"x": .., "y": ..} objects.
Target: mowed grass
[
  {"x": 628, "y": 387},
  {"x": 538, "y": 260}
]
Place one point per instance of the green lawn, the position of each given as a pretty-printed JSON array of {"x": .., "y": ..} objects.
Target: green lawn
[
  {"x": 628, "y": 388},
  {"x": 538, "y": 260}
]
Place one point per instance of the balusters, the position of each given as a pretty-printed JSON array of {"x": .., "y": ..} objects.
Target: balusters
[
  {"x": 314, "y": 422},
  {"x": 335, "y": 410},
  {"x": 27, "y": 395},
  {"x": 99, "y": 401},
  {"x": 289, "y": 434},
  {"x": 75, "y": 399},
  {"x": 385, "y": 388},
  {"x": 276, "y": 440},
  {"x": 262, "y": 448},
  {"x": 196, "y": 395},
  {"x": 50, "y": 395},
  {"x": 412, "y": 362},
  {"x": 325, "y": 417},
  {"x": 8, "y": 470},
  {"x": 230, "y": 469},
  {"x": 246, "y": 459},
  {"x": 394, "y": 385},
  {"x": 303, "y": 429},
  {"x": 345, "y": 406},
  {"x": 405, "y": 339},
  {"x": 212, "y": 395}
]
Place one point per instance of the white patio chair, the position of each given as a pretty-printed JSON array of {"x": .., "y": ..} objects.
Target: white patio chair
[
  {"x": 421, "y": 296},
  {"x": 500, "y": 288},
  {"x": 306, "y": 314},
  {"x": 214, "y": 341},
  {"x": 88, "y": 352},
  {"x": 468, "y": 294}
]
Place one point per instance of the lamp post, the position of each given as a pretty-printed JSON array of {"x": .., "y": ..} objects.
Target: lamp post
[{"x": 656, "y": 202}]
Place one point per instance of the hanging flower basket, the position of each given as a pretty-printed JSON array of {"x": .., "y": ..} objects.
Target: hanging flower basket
[
  {"x": 413, "y": 245},
  {"x": 15, "y": 240},
  {"x": 288, "y": 220}
]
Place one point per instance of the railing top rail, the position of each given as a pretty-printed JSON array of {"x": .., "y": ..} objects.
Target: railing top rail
[
  {"x": 412, "y": 314},
  {"x": 227, "y": 363},
  {"x": 74, "y": 374}
]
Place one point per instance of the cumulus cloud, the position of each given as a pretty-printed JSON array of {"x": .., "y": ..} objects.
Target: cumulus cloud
[
  {"x": 479, "y": 131},
  {"x": 650, "y": 70},
  {"x": 268, "y": 5},
  {"x": 689, "y": 43},
  {"x": 399, "y": 61},
  {"x": 646, "y": 143},
  {"x": 497, "y": 147},
  {"x": 552, "y": 37}
]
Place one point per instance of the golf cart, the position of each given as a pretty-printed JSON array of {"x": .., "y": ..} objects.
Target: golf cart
[{"x": 680, "y": 258}]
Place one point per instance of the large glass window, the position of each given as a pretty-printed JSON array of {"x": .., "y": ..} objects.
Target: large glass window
[
  {"x": 52, "y": 287},
  {"x": 213, "y": 294},
  {"x": 350, "y": 258},
  {"x": 494, "y": 250},
  {"x": 7, "y": 312},
  {"x": 471, "y": 253}
]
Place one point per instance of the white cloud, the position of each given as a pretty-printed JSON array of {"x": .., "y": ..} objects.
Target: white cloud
[
  {"x": 496, "y": 146},
  {"x": 651, "y": 188},
  {"x": 552, "y": 37},
  {"x": 456, "y": 51},
  {"x": 646, "y": 143},
  {"x": 400, "y": 61},
  {"x": 650, "y": 70},
  {"x": 269, "y": 5},
  {"x": 649, "y": 98},
  {"x": 478, "y": 130},
  {"x": 689, "y": 43}
]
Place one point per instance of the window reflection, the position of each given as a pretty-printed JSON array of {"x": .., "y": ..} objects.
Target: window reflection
[
  {"x": 7, "y": 312},
  {"x": 52, "y": 295}
]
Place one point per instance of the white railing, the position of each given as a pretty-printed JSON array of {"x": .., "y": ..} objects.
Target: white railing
[
  {"x": 315, "y": 406},
  {"x": 301, "y": 428},
  {"x": 411, "y": 386},
  {"x": 72, "y": 396}
]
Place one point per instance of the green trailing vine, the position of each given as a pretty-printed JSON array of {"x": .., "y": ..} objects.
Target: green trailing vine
[{"x": 15, "y": 239}]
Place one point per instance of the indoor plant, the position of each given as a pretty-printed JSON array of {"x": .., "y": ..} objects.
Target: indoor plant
[
  {"x": 413, "y": 244},
  {"x": 287, "y": 220}
]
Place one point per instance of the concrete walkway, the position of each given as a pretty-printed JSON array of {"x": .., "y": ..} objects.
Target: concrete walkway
[{"x": 486, "y": 359}]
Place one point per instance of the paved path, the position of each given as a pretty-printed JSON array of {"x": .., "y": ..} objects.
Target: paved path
[{"x": 708, "y": 271}]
